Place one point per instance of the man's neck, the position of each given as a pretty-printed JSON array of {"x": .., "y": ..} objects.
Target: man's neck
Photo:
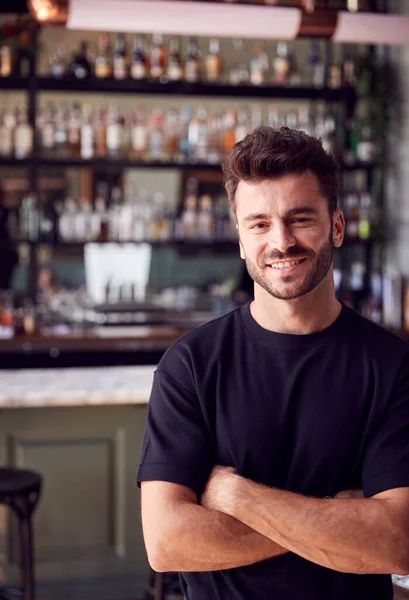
[{"x": 308, "y": 314}]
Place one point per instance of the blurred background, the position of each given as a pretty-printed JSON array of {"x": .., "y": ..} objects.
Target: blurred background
[{"x": 116, "y": 235}]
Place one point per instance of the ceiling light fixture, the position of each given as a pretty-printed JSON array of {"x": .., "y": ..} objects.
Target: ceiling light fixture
[{"x": 178, "y": 17}]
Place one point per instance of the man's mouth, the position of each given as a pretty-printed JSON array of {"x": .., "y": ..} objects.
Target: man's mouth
[{"x": 286, "y": 264}]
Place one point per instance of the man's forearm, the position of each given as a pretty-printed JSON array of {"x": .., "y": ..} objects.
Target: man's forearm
[
  {"x": 354, "y": 536},
  {"x": 195, "y": 538}
]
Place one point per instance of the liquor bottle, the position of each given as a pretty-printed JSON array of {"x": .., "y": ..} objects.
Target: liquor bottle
[
  {"x": 366, "y": 146},
  {"x": 114, "y": 132},
  {"x": 205, "y": 219},
  {"x": 185, "y": 147},
  {"x": 365, "y": 223},
  {"x": 28, "y": 218},
  {"x": 6, "y": 133},
  {"x": 87, "y": 134},
  {"x": 193, "y": 136},
  {"x": 139, "y": 63},
  {"x": 242, "y": 127},
  {"x": 315, "y": 66},
  {"x": 193, "y": 63},
  {"x": 334, "y": 77},
  {"x": 174, "y": 69},
  {"x": 188, "y": 218},
  {"x": 258, "y": 65},
  {"x": 157, "y": 57},
  {"x": 282, "y": 65},
  {"x": 103, "y": 60},
  {"x": 120, "y": 58},
  {"x": 155, "y": 133},
  {"x": 23, "y": 136},
  {"x": 352, "y": 215},
  {"x": 202, "y": 147},
  {"x": 59, "y": 63},
  {"x": 304, "y": 119},
  {"x": 61, "y": 133},
  {"x": 82, "y": 221},
  {"x": 66, "y": 223},
  {"x": 114, "y": 211},
  {"x": 214, "y": 139},
  {"x": 74, "y": 131},
  {"x": 100, "y": 129},
  {"x": 139, "y": 134},
  {"x": 46, "y": 129},
  {"x": 171, "y": 139},
  {"x": 213, "y": 62},
  {"x": 229, "y": 130},
  {"x": 6, "y": 61},
  {"x": 80, "y": 67},
  {"x": 239, "y": 71},
  {"x": 161, "y": 225}
]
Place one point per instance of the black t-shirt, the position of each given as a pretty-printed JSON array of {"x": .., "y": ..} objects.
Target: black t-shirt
[{"x": 313, "y": 414}]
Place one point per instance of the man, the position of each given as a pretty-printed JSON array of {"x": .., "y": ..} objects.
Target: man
[{"x": 264, "y": 424}]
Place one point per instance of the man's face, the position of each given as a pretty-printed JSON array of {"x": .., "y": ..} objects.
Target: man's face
[{"x": 286, "y": 233}]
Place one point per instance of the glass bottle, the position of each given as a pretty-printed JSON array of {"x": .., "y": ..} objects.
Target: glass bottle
[
  {"x": 6, "y": 134},
  {"x": 61, "y": 133},
  {"x": 174, "y": 69},
  {"x": 273, "y": 119},
  {"x": 157, "y": 57},
  {"x": 214, "y": 139},
  {"x": 23, "y": 136},
  {"x": 114, "y": 132},
  {"x": 28, "y": 218},
  {"x": 315, "y": 65},
  {"x": 74, "y": 131},
  {"x": 205, "y": 219},
  {"x": 193, "y": 64},
  {"x": 282, "y": 65},
  {"x": 46, "y": 127},
  {"x": 202, "y": 147},
  {"x": 188, "y": 218},
  {"x": 100, "y": 128},
  {"x": 103, "y": 60},
  {"x": 87, "y": 134},
  {"x": 229, "y": 130},
  {"x": 80, "y": 66},
  {"x": 139, "y": 134},
  {"x": 59, "y": 63},
  {"x": 213, "y": 62},
  {"x": 171, "y": 141},
  {"x": 139, "y": 63},
  {"x": 185, "y": 148},
  {"x": 258, "y": 65},
  {"x": 120, "y": 58},
  {"x": 6, "y": 61},
  {"x": 156, "y": 137}
]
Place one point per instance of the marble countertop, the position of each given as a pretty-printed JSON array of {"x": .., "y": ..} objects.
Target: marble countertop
[{"x": 75, "y": 387}]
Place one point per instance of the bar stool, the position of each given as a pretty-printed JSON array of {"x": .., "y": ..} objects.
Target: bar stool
[
  {"x": 20, "y": 489},
  {"x": 163, "y": 586}
]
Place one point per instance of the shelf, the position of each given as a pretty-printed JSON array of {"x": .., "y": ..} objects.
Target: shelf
[
  {"x": 182, "y": 245},
  {"x": 126, "y": 163},
  {"x": 14, "y": 83},
  {"x": 182, "y": 88}
]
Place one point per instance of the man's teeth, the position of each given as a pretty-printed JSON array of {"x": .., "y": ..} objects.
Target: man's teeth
[{"x": 286, "y": 264}]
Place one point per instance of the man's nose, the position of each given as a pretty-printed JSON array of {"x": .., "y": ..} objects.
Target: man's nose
[{"x": 281, "y": 238}]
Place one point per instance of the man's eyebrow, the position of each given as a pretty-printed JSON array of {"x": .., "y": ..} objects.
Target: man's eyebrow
[
  {"x": 255, "y": 216},
  {"x": 304, "y": 209}
]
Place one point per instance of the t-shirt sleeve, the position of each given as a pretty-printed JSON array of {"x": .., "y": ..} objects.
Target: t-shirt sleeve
[
  {"x": 386, "y": 462},
  {"x": 176, "y": 444}
]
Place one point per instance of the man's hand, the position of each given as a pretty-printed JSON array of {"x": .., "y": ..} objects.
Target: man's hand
[{"x": 221, "y": 489}]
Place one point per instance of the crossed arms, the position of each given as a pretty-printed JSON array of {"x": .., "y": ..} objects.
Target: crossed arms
[{"x": 238, "y": 522}]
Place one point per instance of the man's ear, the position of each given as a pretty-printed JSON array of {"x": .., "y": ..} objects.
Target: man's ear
[{"x": 338, "y": 228}]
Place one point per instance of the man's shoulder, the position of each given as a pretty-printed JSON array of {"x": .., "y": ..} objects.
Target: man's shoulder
[
  {"x": 203, "y": 341},
  {"x": 377, "y": 336}
]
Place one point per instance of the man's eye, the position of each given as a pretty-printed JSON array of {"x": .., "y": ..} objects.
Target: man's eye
[
  {"x": 259, "y": 226},
  {"x": 301, "y": 220}
]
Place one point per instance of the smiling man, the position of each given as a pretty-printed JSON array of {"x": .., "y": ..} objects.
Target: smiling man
[{"x": 275, "y": 462}]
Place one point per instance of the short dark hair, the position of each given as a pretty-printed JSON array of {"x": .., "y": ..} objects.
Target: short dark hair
[{"x": 268, "y": 153}]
